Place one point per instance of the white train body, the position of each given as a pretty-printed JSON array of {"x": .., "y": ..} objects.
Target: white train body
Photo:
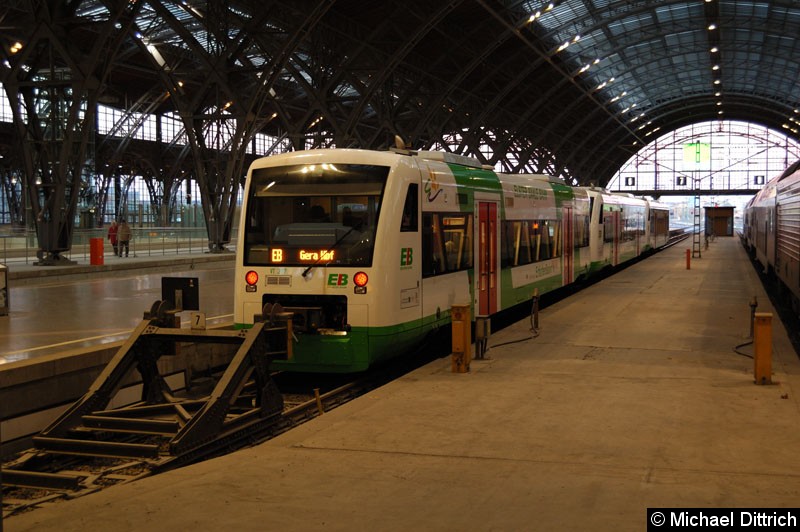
[{"x": 405, "y": 237}]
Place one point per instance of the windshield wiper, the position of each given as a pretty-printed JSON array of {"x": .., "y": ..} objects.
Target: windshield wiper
[{"x": 333, "y": 246}]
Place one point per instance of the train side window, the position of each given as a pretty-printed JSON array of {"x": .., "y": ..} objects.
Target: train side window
[
  {"x": 432, "y": 246},
  {"x": 507, "y": 245},
  {"x": 581, "y": 238},
  {"x": 446, "y": 243},
  {"x": 607, "y": 220},
  {"x": 457, "y": 238},
  {"x": 540, "y": 240},
  {"x": 525, "y": 246},
  {"x": 410, "y": 212}
]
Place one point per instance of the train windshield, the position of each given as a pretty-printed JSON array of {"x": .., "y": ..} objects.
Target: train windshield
[{"x": 313, "y": 215}]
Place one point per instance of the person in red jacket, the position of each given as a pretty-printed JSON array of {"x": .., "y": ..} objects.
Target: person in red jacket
[{"x": 112, "y": 236}]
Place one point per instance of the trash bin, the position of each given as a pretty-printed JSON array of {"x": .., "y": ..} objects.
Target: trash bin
[
  {"x": 4, "y": 290},
  {"x": 96, "y": 251}
]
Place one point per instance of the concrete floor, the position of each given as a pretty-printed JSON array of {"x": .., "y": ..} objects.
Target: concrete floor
[{"x": 631, "y": 397}]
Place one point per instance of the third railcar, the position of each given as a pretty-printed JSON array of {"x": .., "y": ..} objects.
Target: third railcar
[{"x": 370, "y": 250}]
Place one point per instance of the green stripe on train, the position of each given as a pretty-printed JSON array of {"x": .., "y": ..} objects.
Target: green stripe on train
[{"x": 360, "y": 348}]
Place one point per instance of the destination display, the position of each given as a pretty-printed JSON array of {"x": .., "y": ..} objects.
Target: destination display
[{"x": 301, "y": 256}]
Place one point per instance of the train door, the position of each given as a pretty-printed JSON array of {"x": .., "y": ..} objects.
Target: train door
[
  {"x": 617, "y": 229},
  {"x": 409, "y": 247},
  {"x": 568, "y": 245},
  {"x": 486, "y": 281}
]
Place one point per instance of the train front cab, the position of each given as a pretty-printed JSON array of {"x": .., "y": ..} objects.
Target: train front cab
[
  {"x": 617, "y": 228},
  {"x": 657, "y": 224},
  {"x": 315, "y": 241}
]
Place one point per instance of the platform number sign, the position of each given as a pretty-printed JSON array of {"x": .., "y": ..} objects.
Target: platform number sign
[{"x": 198, "y": 320}]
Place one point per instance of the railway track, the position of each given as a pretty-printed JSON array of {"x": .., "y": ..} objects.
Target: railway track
[
  {"x": 38, "y": 477},
  {"x": 99, "y": 451}
]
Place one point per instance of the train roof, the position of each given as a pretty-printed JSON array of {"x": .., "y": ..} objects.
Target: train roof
[
  {"x": 452, "y": 158},
  {"x": 790, "y": 170}
]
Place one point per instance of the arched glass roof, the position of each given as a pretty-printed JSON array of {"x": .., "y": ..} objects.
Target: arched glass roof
[
  {"x": 731, "y": 156},
  {"x": 571, "y": 86}
]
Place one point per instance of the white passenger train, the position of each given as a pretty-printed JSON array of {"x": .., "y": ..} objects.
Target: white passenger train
[{"x": 370, "y": 250}]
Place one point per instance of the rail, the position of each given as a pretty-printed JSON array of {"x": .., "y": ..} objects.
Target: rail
[{"x": 20, "y": 246}]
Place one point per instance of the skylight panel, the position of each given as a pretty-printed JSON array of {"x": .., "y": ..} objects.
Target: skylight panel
[
  {"x": 565, "y": 14},
  {"x": 93, "y": 12},
  {"x": 744, "y": 9}
]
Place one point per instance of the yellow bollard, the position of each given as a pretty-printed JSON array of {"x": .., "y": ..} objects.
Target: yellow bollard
[
  {"x": 762, "y": 345},
  {"x": 462, "y": 341},
  {"x": 319, "y": 401}
]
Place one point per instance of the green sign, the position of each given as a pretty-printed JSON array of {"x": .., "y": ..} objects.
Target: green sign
[{"x": 696, "y": 152}]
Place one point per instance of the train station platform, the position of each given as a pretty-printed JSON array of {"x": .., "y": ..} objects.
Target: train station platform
[
  {"x": 54, "y": 308},
  {"x": 27, "y": 273},
  {"x": 630, "y": 397}
]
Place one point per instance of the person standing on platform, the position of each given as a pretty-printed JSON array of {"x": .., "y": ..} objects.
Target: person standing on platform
[
  {"x": 112, "y": 236},
  {"x": 124, "y": 236}
]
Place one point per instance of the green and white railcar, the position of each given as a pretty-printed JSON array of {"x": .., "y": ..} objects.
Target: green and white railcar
[
  {"x": 370, "y": 250},
  {"x": 657, "y": 224},
  {"x": 618, "y": 229}
]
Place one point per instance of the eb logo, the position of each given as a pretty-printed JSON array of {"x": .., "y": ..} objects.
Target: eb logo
[
  {"x": 337, "y": 279},
  {"x": 406, "y": 256}
]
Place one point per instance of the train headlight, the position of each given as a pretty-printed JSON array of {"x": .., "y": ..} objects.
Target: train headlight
[{"x": 251, "y": 278}]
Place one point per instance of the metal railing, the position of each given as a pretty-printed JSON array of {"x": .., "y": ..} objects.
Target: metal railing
[{"x": 20, "y": 246}]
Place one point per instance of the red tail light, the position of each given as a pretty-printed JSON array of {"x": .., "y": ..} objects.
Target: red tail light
[
  {"x": 251, "y": 278},
  {"x": 360, "y": 279}
]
